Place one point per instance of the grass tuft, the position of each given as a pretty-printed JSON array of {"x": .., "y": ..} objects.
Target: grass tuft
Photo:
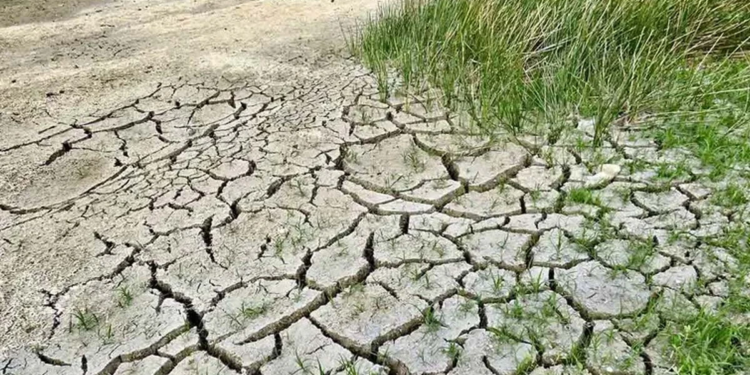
[
  {"x": 676, "y": 66},
  {"x": 711, "y": 344}
]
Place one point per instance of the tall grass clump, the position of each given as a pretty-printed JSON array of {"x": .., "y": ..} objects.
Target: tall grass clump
[{"x": 522, "y": 64}]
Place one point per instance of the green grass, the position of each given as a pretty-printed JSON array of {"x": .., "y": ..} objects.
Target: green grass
[
  {"x": 710, "y": 344},
  {"x": 583, "y": 196},
  {"x": 84, "y": 320},
  {"x": 676, "y": 66}
]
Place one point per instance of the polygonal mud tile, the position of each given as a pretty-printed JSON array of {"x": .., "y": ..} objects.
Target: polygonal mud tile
[
  {"x": 719, "y": 288},
  {"x": 605, "y": 173},
  {"x": 366, "y": 197},
  {"x": 401, "y": 206},
  {"x": 430, "y": 349},
  {"x": 328, "y": 177},
  {"x": 637, "y": 228},
  {"x": 486, "y": 354},
  {"x": 149, "y": 365},
  {"x": 363, "y": 314},
  {"x": 104, "y": 320},
  {"x": 604, "y": 292},
  {"x": 340, "y": 263},
  {"x": 678, "y": 219},
  {"x": 489, "y": 224},
  {"x": 661, "y": 202},
  {"x": 673, "y": 305},
  {"x": 495, "y": 246},
  {"x": 202, "y": 363},
  {"x": 660, "y": 350},
  {"x": 330, "y": 214},
  {"x": 403, "y": 119},
  {"x": 437, "y": 192},
  {"x": 543, "y": 201},
  {"x": 638, "y": 329},
  {"x": 524, "y": 223},
  {"x": 696, "y": 190},
  {"x": 247, "y": 189},
  {"x": 453, "y": 144},
  {"x": 196, "y": 277},
  {"x": 230, "y": 170},
  {"x": 429, "y": 282},
  {"x": 534, "y": 279},
  {"x": 251, "y": 354},
  {"x": 544, "y": 318},
  {"x": 183, "y": 344},
  {"x": 435, "y": 127},
  {"x": 439, "y": 222},
  {"x": 167, "y": 249},
  {"x": 537, "y": 178},
  {"x": 608, "y": 353},
  {"x": 574, "y": 224},
  {"x": 377, "y": 166},
  {"x": 258, "y": 307},
  {"x": 500, "y": 201},
  {"x": 429, "y": 110},
  {"x": 304, "y": 349},
  {"x": 383, "y": 228},
  {"x": 713, "y": 262},
  {"x": 294, "y": 193},
  {"x": 415, "y": 246},
  {"x": 554, "y": 249},
  {"x": 634, "y": 255},
  {"x": 486, "y": 170},
  {"x": 374, "y": 131},
  {"x": 680, "y": 278},
  {"x": 580, "y": 209},
  {"x": 489, "y": 283}
]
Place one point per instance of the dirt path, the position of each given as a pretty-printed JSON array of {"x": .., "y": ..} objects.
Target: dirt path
[{"x": 194, "y": 187}]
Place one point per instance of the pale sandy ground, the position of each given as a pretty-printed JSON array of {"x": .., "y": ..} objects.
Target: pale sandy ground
[
  {"x": 65, "y": 60},
  {"x": 94, "y": 54}
]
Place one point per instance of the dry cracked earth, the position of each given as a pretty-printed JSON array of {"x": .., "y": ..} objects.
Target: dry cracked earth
[{"x": 310, "y": 226}]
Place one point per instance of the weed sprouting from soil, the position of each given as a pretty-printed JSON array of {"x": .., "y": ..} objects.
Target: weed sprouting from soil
[{"x": 677, "y": 66}]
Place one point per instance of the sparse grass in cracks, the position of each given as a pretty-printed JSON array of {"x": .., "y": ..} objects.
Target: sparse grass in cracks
[
  {"x": 718, "y": 341},
  {"x": 124, "y": 297},
  {"x": 583, "y": 196},
  {"x": 84, "y": 320},
  {"x": 431, "y": 320},
  {"x": 678, "y": 66}
]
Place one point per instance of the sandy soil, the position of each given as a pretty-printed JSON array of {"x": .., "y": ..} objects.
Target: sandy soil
[
  {"x": 64, "y": 61},
  {"x": 74, "y": 55}
]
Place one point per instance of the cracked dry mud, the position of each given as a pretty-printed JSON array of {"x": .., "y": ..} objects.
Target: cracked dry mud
[{"x": 307, "y": 226}]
